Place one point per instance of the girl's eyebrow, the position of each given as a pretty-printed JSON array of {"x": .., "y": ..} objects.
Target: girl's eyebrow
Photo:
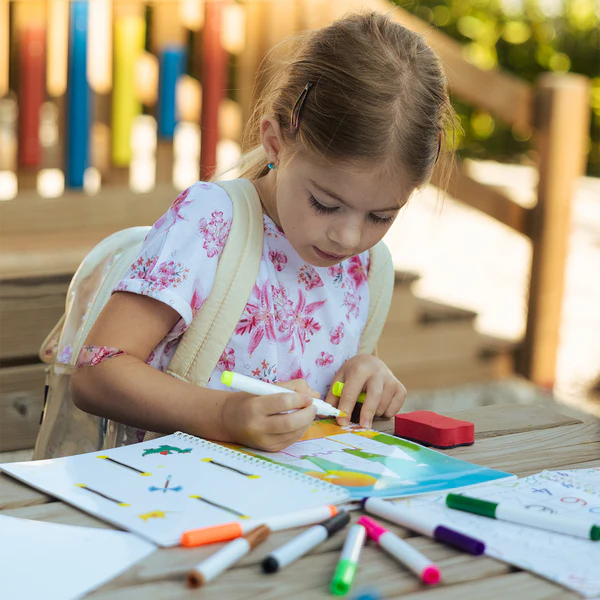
[{"x": 336, "y": 197}]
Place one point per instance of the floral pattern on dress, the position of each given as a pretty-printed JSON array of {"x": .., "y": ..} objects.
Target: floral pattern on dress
[
  {"x": 300, "y": 325},
  {"x": 336, "y": 334},
  {"x": 174, "y": 212},
  {"x": 258, "y": 318},
  {"x": 309, "y": 277},
  {"x": 324, "y": 359},
  {"x": 337, "y": 272},
  {"x": 357, "y": 271},
  {"x": 91, "y": 356},
  {"x": 278, "y": 258},
  {"x": 352, "y": 304},
  {"x": 227, "y": 360},
  {"x": 266, "y": 372},
  {"x": 214, "y": 232}
]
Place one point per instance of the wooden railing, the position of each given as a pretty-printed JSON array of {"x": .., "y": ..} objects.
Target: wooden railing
[{"x": 36, "y": 233}]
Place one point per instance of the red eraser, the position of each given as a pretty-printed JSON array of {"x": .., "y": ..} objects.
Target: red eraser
[{"x": 430, "y": 429}]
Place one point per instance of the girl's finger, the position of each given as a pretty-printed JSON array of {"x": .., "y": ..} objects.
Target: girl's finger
[
  {"x": 352, "y": 388},
  {"x": 281, "y": 403},
  {"x": 397, "y": 402},
  {"x": 288, "y": 423},
  {"x": 300, "y": 386},
  {"x": 372, "y": 400}
]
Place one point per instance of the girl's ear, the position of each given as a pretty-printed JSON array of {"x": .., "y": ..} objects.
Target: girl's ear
[{"x": 270, "y": 134}]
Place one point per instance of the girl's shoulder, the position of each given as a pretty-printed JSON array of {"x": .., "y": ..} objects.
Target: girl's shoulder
[{"x": 198, "y": 201}]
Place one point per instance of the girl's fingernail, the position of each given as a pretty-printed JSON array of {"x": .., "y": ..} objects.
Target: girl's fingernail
[{"x": 365, "y": 424}]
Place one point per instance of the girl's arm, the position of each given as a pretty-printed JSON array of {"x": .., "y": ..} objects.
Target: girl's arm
[{"x": 129, "y": 391}]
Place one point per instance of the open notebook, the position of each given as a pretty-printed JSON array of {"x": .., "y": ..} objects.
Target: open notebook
[
  {"x": 161, "y": 488},
  {"x": 371, "y": 463}
]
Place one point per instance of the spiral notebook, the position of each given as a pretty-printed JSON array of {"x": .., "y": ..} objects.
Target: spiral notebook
[
  {"x": 370, "y": 463},
  {"x": 161, "y": 488}
]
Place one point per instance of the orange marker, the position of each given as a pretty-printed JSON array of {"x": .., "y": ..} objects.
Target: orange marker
[{"x": 231, "y": 531}]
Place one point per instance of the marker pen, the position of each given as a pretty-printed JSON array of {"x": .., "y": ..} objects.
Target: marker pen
[
  {"x": 215, "y": 564},
  {"x": 236, "y": 529},
  {"x": 515, "y": 514},
  {"x": 262, "y": 388},
  {"x": 348, "y": 562},
  {"x": 430, "y": 528},
  {"x": 305, "y": 542},
  {"x": 402, "y": 551}
]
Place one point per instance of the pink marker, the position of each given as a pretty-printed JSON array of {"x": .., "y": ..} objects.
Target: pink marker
[{"x": 401, "y": 551}]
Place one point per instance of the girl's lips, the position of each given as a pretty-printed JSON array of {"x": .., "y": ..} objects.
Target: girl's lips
[{"x": 328, "y": 256}]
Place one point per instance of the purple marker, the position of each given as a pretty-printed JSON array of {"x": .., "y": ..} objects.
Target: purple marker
[{"x": 441, "y": 533}]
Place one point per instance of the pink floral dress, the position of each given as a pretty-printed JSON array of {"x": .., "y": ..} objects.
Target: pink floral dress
[{"x": 300, "y": 321}]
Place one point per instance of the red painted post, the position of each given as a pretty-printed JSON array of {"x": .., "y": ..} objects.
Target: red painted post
[{"x": 214, "y": 65}]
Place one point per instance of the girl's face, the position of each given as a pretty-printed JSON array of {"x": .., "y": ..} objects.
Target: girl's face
[{"x": 329, "y": 214}]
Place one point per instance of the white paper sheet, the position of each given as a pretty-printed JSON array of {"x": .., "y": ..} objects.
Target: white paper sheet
[
  {"x": 570, "y": 561},
  {"x": 62, "y": 562}
]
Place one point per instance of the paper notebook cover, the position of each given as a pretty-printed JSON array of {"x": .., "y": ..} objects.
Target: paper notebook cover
[
  {"x": 161, "y": 488},
  {"x": 370, "y": 463}
]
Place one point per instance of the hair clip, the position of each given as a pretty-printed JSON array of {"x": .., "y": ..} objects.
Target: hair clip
[{"x": 295, "y": 118}]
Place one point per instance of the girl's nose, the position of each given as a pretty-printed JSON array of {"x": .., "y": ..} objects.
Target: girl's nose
[{"x": 345, "y": 234}]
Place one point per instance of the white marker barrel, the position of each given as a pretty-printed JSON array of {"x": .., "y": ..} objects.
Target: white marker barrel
[
  {"x": 310, "y": 516},
  {"x": 541, "y": 519},
  {"x": 298, "y": 547},
  {"x": 400, "y": 516},
  {"x": 353, "y": 544},
  {"x": 405, "y": 553},
  {"x": 222, "y": 559}
]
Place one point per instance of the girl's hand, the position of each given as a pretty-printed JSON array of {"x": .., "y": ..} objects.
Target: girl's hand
[
  {"x": 258, "y": 422},
  {"x": 365, "y": 372}
]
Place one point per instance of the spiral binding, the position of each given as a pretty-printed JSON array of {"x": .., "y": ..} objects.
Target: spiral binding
[{"x": 340, "y": 494}]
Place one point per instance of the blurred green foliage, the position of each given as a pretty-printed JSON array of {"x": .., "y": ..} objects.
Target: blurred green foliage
[{"x": 526, "y": 38}]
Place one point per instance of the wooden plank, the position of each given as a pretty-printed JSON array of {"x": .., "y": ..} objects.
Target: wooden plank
[
  {"x": 515, "y": 585},
  {"x": 57, "y": 512},
  {"x": 484, "y": 198},
  {"x": 16, "y": 456},
  {"x": 30, "y": 309},
  {"x": 494, "y": 421},
  {"x": 562, "y": 144},
  {"x": 407, "y": 345},
  {"x": 14, "y": 494},
  {"x": 113, "y": 208},
  {"x": 534, "y": 451},
  {"x": 21, "y": 400},
  {"x": 246, "y": 581},
  {"x": 54, "y": 254},
  {"x": 436, "y": 374}
]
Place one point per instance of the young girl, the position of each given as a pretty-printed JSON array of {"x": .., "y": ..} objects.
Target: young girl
[{"x": 342, "y": 136}]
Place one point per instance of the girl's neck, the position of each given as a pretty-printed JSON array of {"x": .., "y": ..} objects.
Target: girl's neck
[{"x": 266, "y": 188}]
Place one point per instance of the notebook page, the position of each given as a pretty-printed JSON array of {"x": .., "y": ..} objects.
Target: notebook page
[
  {"x": 161, "y": 488},
  {"x": 567, "y": 560}
]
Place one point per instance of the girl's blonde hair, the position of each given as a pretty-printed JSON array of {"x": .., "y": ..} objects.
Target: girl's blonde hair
[{"x": 379, "y": 96}]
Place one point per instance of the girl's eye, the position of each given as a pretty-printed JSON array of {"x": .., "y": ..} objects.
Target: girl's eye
[
  {"x": 320, "y": 208},
  {"x": 380, "y": 220}
]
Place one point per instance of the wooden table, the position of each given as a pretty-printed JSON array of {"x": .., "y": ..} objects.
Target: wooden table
[{"x": 518, "y": 439}]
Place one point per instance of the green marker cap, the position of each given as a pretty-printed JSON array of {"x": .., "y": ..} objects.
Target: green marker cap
[
  {"x": 595, "y": 533},
  {"x": 343, "y": 577},
  {"x": 227, "y": 378},
  {"x": 472, "y": 505}
]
